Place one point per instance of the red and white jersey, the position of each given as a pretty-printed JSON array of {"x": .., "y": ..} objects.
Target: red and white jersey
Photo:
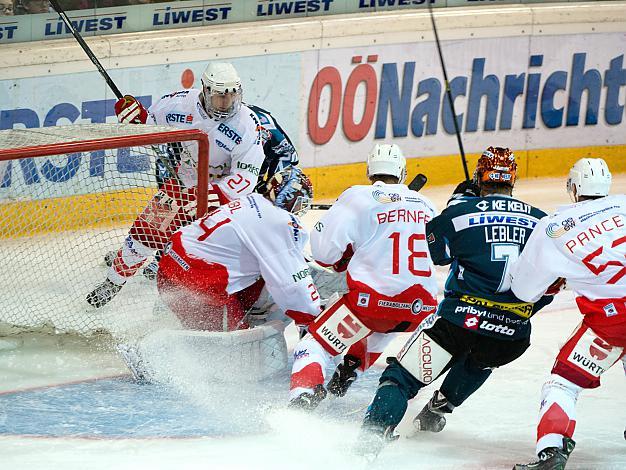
[
  {"x": 381, "y": 230},
  {"x": 251, "y": 237},
  {"x": 584, "y": 243},
  {"x": 235, "y": 146}
]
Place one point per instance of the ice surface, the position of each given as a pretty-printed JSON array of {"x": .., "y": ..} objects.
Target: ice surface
[{"x": 66, "y": 405}]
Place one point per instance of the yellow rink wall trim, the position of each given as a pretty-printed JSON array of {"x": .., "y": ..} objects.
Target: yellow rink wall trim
[
  {"x": 330, "y": 181},
  {"x": 26, "y": 218}
]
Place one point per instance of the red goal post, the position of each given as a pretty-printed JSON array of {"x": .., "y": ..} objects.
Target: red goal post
[{"x": 68, "y": 194}]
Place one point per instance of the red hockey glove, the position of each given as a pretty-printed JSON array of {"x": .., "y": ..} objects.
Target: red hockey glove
[
  {"x": 556, "y": 287},
  {"x": 130, "y": 111}
]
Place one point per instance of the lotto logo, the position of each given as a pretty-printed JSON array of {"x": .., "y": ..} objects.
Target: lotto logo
[{"x": 471, "y": 322}]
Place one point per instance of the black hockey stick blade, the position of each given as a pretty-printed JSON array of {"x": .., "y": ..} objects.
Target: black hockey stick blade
[
  {"x": 418, "y": 182},
  {"x": 321, "y": 207}
]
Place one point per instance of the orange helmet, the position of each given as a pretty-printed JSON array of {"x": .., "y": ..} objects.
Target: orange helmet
[{"x": 497, "y": 166}]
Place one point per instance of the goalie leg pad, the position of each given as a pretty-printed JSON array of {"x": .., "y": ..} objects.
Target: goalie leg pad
[
  {"x": 338, "y": 328},
  {"x": 171, "y": 208},
  {"x": 206, "y": 357}
]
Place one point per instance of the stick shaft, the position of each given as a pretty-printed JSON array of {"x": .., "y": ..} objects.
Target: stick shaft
[
  {"x": 85, "y": 47},
  {"x": 457, "y": 131}
]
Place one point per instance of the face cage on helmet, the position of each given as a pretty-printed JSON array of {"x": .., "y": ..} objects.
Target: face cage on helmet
[{"x": 215, "y": 113}]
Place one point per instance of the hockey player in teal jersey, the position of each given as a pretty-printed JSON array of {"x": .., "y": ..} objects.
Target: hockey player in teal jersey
[{"x": 481, "y": 325}]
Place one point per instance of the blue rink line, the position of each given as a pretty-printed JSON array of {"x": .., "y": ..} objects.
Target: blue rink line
[{"x": 114, "y": 408}]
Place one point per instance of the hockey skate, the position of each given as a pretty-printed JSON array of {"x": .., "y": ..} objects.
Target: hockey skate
[
  {"x": 135, "y": 362},
  {"x": 344, "y": 376},
  {"x": 103, "y": 294},
  {"x": 109, "y": 257},
  {"x": 432, "y": 418},
  {"x": 552, "y": 458},
  {"x": 308, "y": 401},
  {"x": 373, "y": 439}
]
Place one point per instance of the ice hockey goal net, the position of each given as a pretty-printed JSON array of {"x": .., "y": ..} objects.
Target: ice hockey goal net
[{"x": 68, "y": 195}]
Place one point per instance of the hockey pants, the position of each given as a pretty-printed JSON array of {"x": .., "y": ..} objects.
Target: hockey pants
[{"x": 196, "y": 293}]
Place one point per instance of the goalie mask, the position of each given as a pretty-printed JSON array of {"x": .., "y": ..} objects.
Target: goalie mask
[
  {"x": 386, "y": 159},
  {"x": 290, "y": 189},
  {"x": 496, "y": 166},
  {"x": 221, "y": 90},
  {"x": 589, "y": 177}
]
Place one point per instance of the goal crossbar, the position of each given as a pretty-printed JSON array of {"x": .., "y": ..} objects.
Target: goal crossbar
[{"x": 106, "y": 143}]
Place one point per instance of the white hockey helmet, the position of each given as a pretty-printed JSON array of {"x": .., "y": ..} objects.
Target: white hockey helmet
[
  {"x": 386, "y": 159},
  {"x": 590, "y": 177},
  {"x": 221, "y": 88}
]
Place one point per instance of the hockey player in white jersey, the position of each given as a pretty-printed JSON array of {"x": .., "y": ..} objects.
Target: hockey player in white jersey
[
  {"x": 236, "y": 156},
  {"x": 378, "y": 233},
  {"x": 585, "y": 243},
  {"x": 213, "y": 270}
]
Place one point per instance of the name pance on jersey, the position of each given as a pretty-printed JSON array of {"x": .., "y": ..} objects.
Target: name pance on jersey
[
  {"x": 590, "y": 233},
  {"x": 402, "y": 215}
]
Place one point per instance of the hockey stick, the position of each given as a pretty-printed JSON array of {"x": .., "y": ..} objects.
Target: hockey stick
[
  {"x": 107, "y": 78},
  {"x": 416, "y": 184},
  {"x": 448, "y": 92},
  {"x": 85, "y": 47}
]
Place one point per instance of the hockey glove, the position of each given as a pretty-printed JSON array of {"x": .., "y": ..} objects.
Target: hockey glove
[
  {"x": 466, "y": 188},
  {"x": 130, "y": 111},
  {"x": 556, "y": 287}
]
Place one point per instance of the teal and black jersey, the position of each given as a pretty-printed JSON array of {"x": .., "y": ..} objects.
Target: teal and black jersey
[{"x": 481, "y": 237}]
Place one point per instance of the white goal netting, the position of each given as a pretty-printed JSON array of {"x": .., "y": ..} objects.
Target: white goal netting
[{"x": 62, "y": 211}]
